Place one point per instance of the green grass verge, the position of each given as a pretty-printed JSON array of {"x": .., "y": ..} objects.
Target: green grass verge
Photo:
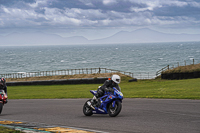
[
  {"x": 169, "y": 89},
  {"x": 8, "y": 130}
]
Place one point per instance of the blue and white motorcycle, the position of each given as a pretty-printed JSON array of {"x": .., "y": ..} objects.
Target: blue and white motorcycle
[{"x": 109, "y": 103}]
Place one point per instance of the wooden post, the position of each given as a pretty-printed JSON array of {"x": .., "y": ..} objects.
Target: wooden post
[
  {"x": 178, "y": 64},
  {"x": 193, "y": 61},
  {"x": 185, "y": 63}
]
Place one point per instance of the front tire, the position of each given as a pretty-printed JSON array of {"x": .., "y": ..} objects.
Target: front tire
[
  {"x": 1, "y": 107},
  {"x": 114, "y": 111},
  {"x": 87, "y": 110}
]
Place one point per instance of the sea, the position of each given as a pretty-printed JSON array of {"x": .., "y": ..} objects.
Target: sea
[{"x": 135, "y": 58}]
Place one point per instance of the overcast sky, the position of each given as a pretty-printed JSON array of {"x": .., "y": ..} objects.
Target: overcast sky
[{"x": 98, "y": 18}]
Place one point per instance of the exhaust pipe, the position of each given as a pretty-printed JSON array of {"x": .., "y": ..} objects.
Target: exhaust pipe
[{"x": 89, "y": 104}]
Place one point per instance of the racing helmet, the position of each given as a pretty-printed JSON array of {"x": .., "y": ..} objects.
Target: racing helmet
[{"x": 116, "y": 78}]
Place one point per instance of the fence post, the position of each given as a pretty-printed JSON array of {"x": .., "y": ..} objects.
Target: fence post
[
  {"x": 193, "y": 61},
  {"x": 185, "y": 63}
]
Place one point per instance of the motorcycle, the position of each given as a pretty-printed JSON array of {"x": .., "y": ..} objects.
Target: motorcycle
[
  {"x": 3, "y": 98},
  {"x": 109, "y": 103}
]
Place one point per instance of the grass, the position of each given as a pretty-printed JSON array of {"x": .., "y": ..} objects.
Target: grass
[
  {"x": 8, "y": 130},
  {"x": 168, "y": 89}
]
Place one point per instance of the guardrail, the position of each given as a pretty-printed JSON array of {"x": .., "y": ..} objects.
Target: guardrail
[{"x": 138, "y": 75}]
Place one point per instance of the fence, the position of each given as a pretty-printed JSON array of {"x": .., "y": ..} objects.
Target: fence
[
  {"x": 161, "y": 70},
  {"x": 138, "y": 75},
  {"x": 144, "y": 75},
  {"x": 185, "y": 63},
  {"x": 63, "y": 72},
  {"x": 172, "y": 67}
]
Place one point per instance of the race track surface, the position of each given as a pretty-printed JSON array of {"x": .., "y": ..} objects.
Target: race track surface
[{"x": 137, "y": 115}]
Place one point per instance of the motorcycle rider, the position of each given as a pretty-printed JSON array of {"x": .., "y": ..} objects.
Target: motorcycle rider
[
  {"x": 3, "y": 85},
  {"x": 108, "y": 87}
]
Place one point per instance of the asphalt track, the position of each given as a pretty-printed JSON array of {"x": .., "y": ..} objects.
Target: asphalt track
[{"x": 137, "y": 115}]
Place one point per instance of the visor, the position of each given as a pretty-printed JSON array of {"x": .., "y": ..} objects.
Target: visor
[{"x": 117, "y": 80}]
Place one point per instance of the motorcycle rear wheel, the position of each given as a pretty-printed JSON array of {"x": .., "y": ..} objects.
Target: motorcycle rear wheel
[
  {"x": 87, "y": 110},
  {"x": 114, "y": 111},
  {"x": 1, "y": 107}
]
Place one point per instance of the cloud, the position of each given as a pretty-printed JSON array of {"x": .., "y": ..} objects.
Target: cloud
[
  {"x": 109, "y": 2},
  {"x": 98, "y": 13}
]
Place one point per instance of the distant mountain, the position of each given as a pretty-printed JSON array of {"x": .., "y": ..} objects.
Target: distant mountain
[
  {"x": 77, "y": 40},
  {"x": 147, "y": 36},
  {"x": 137, "y": 36},
  {"x": 40, "y": 38}
]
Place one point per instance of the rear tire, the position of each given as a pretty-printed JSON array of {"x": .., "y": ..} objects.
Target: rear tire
[
  {"x": 114, "y": 111},
  {"x": 1, "y": 107},
  {"x": 87, "y": 110}
]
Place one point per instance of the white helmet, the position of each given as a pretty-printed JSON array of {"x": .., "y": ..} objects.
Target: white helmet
[{"x": 116, "y": 79}]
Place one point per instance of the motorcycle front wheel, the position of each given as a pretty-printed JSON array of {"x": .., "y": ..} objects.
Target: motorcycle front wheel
[
  {"x": 87, "y": 110},
  {"x": 114, "y": 111}
]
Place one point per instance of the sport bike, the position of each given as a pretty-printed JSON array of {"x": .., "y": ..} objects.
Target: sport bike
[
  {"x": 109, "y": 103},
  {"x": 3, "y": 98}
]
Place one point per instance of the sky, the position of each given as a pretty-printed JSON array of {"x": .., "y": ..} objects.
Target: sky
[{"x": 95, "y": 19}]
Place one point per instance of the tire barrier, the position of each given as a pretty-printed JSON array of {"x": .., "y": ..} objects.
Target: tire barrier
[
  {"x": 188, "y": 75},
  {"x": 60, "y": 82},
  {"x": 132, "y": 80}
]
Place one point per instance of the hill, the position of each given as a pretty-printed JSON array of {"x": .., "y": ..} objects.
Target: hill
[
  {"x": 147, "y": 36},
  {"x": 182, "y": 72},
  {"x": 138, "y": 36},
  {"x": 184, "y": 69}
]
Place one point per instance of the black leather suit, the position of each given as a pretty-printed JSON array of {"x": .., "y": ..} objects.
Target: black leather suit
[
  {"x": 107, "y": 86},
  {"x": 3, "y": 87}
]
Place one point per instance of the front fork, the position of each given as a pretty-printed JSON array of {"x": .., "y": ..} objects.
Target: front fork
[{"x": 113, "y": 103}]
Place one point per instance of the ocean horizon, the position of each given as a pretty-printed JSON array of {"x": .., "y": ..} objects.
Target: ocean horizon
[{"x": 135, "y": 58}]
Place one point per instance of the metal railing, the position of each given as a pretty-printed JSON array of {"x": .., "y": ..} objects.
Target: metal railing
[{"x": 138, "y": 75}]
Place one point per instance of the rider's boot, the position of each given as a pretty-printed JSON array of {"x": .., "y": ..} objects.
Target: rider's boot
[{"x": 94, "y": 99}]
